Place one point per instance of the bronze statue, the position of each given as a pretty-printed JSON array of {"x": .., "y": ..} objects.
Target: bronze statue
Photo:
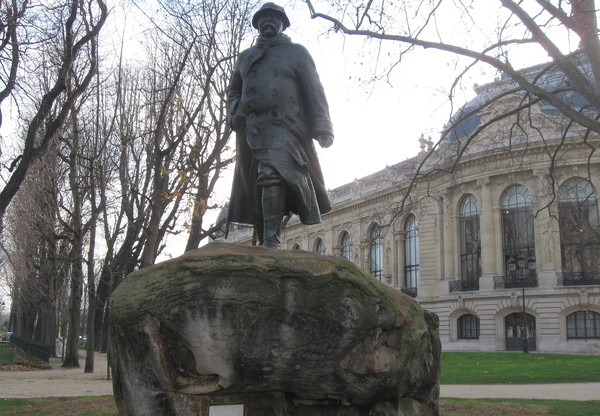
[{"x": 277, "y": 106}]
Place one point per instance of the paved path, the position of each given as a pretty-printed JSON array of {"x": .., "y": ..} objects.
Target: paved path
[
  {"x": 60, "y": 382},
  {"x": 570, "y": 391},
  {"x": 57, "y": 382}
]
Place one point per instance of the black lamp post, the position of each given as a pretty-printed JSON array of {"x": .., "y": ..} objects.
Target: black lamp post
[{"x": 522, "y": 268}]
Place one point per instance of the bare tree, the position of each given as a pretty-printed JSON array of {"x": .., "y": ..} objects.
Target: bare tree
[
  {"x": 169, "y": 130},
  {"x": 75, "y": 232},
  {"x": 29, "y": 33},
  {"x": 224, "y": 25},
  {"x": 132, "y": 145},
  {"x": 204, "y": 37},
  {"x": 35, "y": 252}
]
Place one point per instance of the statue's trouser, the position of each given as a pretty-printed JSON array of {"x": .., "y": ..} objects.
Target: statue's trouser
[
  {"x": 273, "y": 206},
  {"x": 273, "y": 203}
]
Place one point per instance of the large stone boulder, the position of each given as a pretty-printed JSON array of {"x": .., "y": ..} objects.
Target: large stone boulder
[{"x": 279, "y": 332}]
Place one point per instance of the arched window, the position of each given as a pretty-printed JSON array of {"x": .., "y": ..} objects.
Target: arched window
[
  {"x": 376, "y": 253},
  {"x": 583, "y": 325},
  {"x": 296, "y": 246},
  {"x": 411, "y": 253},
  {"x": 346, "y": 248},
  {"x": 470, "y": 243},
  {"x": 320, "y": 246},
  {"x": 579, "y": 232},
  {"x": 468, "y": 326},
  {"x": 519, "y": 241}
]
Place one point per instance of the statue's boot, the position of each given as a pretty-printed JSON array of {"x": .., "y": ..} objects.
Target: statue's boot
[{"x": 273, "y": 205}]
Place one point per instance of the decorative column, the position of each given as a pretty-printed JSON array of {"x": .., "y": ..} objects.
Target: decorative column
[
  {"x": 365, "y": 245},
  {"x": 447, "y": 228},
  {"x": 398, "y": 261},
  {"x": 335, "y": 233},
  {"x": 545, "y": 241},
  {"x": 487, "y": 227}
]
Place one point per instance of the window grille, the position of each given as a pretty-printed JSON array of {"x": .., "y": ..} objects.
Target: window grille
[
  {"x": 579, "y": 228},
  {"x": 346, "y": 247},
  {"x": 518, "y": 236},
  {"x": 411, "y": 252},
  {"x": 320, "y": 246},
  {"x": 583, "y": 325},
  {"x": 470, "y": 242},
  {"x": 376, "y": 253},
  {"x": 468, "y": 327}
]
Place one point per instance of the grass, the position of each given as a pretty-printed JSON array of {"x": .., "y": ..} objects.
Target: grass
[
  {"x": 60, "y": 406},
  {"x": 104, "y": 405},
  {"x": 498, "y": 407},
  {"x": 6, "y": 353},
  {"x": 518, "y": 368}
]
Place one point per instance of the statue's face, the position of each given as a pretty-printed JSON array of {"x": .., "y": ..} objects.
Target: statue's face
[{"x": 270, "y": 24}]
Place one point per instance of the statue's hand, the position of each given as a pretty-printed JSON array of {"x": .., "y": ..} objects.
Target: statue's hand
[
  {"x": 237, "y": 122},
  {"x": 325, "y": 141}
]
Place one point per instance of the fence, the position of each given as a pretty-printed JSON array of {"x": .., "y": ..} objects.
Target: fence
[
  {"x": 36, "y": 349},
  {"x": 7, "y": 353}
]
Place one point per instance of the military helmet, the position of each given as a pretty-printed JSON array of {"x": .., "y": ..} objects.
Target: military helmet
[{"x": 271, "y": 7}]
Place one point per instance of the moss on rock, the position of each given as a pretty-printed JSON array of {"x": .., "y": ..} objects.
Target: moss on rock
[{"x": 251, "y": 320}]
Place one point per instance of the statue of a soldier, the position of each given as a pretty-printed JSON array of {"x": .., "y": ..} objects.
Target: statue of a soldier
[{"x": 277, "y": 106}]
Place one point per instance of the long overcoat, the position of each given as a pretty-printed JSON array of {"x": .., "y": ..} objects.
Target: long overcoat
[{"x": 277, "y": 105}]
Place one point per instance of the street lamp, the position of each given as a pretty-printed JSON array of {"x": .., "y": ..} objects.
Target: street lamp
[{"x": 523, "y": 268}]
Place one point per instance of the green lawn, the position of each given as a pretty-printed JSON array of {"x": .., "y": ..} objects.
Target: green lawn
[
  {"x": 59, "y": 406},
  {"x": 518, "y": 368},
  {"x": 498, "y": 407},
  {"x": 105, "y": 406},
  {"x": 6, "y": 353}
]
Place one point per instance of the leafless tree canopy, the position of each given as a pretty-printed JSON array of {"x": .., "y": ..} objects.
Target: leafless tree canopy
[
  {"x": 123, "y": 152},
  {"x": 48, "y": 59},
  {"x": 492, "y": 34},
  {"x": 520, "y": 28}
]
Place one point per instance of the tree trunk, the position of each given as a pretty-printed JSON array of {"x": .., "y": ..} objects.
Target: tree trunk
[
  {"x": 200, "y": 205},
  {"x": 91, "y": 283},
  {"x": 76, "y": 224}
]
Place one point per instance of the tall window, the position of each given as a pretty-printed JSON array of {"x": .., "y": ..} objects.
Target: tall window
[
  {"x": 411, "y": 252},
  {"x": 470, "y": 243},
  {"x": 346, "y": 249},
  {"x": 583, "y": 325},
  {"x": 517, "y": 226},
  {"x": 468, "y": 326},
  {"x": 376, "y": 253},
  {"x": 579, "y": 232},
  {"x": 320, "y": 246}
]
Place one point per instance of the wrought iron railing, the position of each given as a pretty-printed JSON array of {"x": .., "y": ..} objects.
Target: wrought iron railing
[
  {"x": 410, "y": 291},
  {"x": 512, "y": 282},
  {"x": 578, "y": 279},
  {"x": 39, "y": 350},
  {"x": 464, "y": 285}
]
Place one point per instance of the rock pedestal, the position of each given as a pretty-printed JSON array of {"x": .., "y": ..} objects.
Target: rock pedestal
[{"x": 283, "y": 333}]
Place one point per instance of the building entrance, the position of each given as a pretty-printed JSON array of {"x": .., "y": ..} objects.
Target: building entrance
[{"x": 517, "y": 326}]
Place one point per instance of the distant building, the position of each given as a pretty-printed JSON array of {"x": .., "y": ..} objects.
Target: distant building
[{"x": 477, "y": 232}]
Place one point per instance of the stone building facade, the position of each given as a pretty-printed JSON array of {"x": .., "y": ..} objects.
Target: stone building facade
[{"x": 516, "y": 214}]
